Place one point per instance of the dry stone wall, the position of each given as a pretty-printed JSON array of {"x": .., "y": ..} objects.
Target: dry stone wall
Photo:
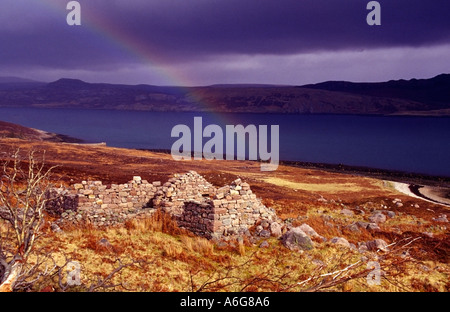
[
  {"x": 102, "y": 205},
  {"x": 193, "y": 202}
]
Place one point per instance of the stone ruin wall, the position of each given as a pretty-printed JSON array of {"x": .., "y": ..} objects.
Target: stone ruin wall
[
  {"x": 102, "y": 205},
  {"x": 195, "y": 204}
]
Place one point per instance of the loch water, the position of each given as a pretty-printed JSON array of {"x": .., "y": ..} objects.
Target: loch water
[{"x": 401, "y": 143}]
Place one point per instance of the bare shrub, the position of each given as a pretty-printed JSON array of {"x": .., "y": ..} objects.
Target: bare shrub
[{"x": 24, "y": 192}]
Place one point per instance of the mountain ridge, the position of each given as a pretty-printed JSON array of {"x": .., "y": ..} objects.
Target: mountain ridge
[
  {"x": 434, "y": 91},
  {"x": 415, "y": 96}
]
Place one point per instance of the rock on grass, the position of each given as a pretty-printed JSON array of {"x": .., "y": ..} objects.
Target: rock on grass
[
  {"x": 377, "y": 244},
  {"x": 377, "y": 218},
  {"x": 340, "y": 241},
  {"x": 309, "y": 231},
  {"x": 296, "y": 239}
]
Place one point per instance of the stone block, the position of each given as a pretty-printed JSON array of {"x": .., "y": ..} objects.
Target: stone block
[
  {"x": 220, "y": 211},
  {"x": 88, "y": 192}
]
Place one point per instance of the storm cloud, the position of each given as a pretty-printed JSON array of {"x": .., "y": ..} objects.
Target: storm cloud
[{"x": 234, "y": 38}]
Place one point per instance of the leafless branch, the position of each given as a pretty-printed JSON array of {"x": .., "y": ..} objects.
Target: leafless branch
[
  {"x": 23, "y": 197},
  {"x": 350, "y": 272}
]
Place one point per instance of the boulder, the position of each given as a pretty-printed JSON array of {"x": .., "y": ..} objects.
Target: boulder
[
  {"x": 265, "y": 224},
  {"x": 340, "y": 241},
  {"x": 308, "y": 230},
  {"x": 377, "y": 244},
  {"x": 377, "y": 217},
  {"x": 362, "y": 247},
  {"x": 275, "y": 229},
  {"x": 362, "y": 224},
  {"x": 373, "y": 227},
  {"x": 105, "y": 244},
  {"x": 353, "y": 228},
  {"x": 264, "y": 233},
  {"x": 264, "y": 244},
  {"x": 347, "y": 212},
  {"x": 296, "y": 239}
]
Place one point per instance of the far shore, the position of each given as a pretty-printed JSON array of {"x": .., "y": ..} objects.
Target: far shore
[{"x": 382, "y": 174}]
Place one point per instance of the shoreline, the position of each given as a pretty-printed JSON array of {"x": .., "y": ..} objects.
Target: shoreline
[
  {"x": 413, "y": 190},
  {"x": 382, "y": 174},
  {"x": 433, "y": 189}
]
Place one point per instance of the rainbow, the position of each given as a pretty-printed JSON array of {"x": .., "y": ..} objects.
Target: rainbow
[{"x": 104, "y": 29}]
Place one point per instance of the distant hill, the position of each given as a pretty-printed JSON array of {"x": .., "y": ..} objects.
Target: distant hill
[
  {"x": 10, "y": 130},
  {"x": 420, "y": 97},
  {"x": 434, "y": 92},
  {"x": 247, "y": 85}
]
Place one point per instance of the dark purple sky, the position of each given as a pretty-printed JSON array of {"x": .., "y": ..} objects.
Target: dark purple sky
[{"x": 201, "y": 42}]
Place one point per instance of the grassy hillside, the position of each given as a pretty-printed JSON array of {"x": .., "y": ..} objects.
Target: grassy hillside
[
  {"x": 158, "y": 256},
  {"x": 10, "y": 130}
]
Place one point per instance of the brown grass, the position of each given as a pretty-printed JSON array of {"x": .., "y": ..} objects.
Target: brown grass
[
  {"x": 198, "y": 244},
  {"x": 170, "y": 257},
  {"x": 169, "y": 262},
  {"x": 315, "y": 187},
  {"x": 158, "y": 222}
]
